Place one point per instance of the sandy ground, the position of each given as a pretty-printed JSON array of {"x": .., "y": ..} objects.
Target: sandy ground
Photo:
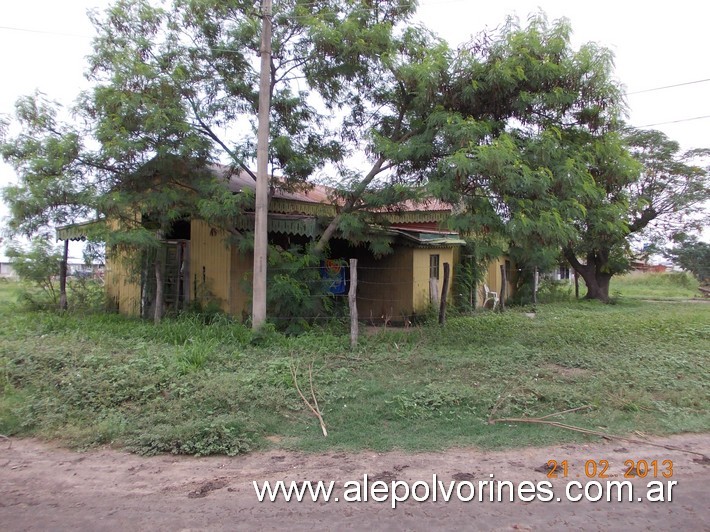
[{"x": 44, "y": 487}]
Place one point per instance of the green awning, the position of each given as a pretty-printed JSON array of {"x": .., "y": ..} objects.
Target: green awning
[
  {"x": 282, "y": 223},
  {"x": 79, "y": 231},
  {"x": 430, "y": 238}
]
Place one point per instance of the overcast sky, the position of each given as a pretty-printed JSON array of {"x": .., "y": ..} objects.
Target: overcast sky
[{"x": 44, "y": 44}]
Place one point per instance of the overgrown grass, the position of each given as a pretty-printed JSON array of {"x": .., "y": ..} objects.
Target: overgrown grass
[
  {"x": 192, "y": 387},
  {"x": 671, "y": 285},
  {"x": 9, "y": 290}
]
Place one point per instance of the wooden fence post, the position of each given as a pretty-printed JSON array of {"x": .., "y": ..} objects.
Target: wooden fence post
[
  {"x": 576, "y": 285},
  {"x": 352, "y": 303},
  {"x": 444, "y": 292},
  {"x": 63, "y": 267},
  {"x": 536, "y": 281},
  {"x": 503, "y": 286}
]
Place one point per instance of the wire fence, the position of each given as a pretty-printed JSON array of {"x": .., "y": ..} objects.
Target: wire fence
[{"x": 394, "y": 294}]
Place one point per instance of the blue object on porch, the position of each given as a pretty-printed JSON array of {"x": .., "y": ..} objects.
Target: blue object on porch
[{"x": 334, "y": 271}]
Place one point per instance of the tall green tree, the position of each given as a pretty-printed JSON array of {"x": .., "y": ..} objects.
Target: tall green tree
[
  {"x": 528, "y": 142},
  {"x": 181, "y": 80},
  {"x": 53, "y": 185},
  {"x": 692, "y": 255},
  {"x": 520, "y": 123},
  {"x": 178, "y": 82},
  {"x": 662, "y": 194}
]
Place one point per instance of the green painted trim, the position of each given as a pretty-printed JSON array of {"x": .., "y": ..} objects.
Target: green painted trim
[
  {"x": 77, "y": 231},
  {"x": 275, "y": 224},
  {"x": 413, "y": 217},
  {"x": 297, "y": 207}
]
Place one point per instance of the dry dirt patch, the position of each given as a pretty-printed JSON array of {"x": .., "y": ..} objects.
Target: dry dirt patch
[{"x": 46, "y": 487}]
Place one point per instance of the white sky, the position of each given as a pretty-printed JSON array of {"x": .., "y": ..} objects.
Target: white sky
[{"x": 654, "y": 47}]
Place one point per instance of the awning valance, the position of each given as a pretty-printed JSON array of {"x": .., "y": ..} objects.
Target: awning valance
[{"x": 78, "y": 231}]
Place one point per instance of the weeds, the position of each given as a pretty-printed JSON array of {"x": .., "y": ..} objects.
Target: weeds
[{"x": 187, "y": 386}]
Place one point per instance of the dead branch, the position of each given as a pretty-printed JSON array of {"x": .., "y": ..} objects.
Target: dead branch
[
  {"x": 501, "y": 399},
  {"x": 543, "y": 421},
  {"x": 566, "y": 411},
  {"x": 312, "y": 407}
]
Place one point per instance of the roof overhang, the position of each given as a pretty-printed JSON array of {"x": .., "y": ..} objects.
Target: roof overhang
[
  {"x": 78, "y": 231},
  {"x": 429, "y": 238}
]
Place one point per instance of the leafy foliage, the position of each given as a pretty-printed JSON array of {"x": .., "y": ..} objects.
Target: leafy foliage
[
  {"x": 476, "y": 256},
  {"x": 694, "y": 256},
  {"x": 517, "y": 130},
  {"x": 298, "y": 293},
  {"x": 38, "y": 266},
  {"x": 653, "y": 204},
  {"x": 47, "y": 156}
]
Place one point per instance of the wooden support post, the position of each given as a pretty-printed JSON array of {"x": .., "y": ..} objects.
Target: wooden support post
[
  {"x": 576, "y": 285},
  {"x": 352, "y": 302},
  {"x": 158, "y": 271},
  {"x": 444, "y": 292},
  {"x": 63, "y": 305},
  {"x": 503, "y": 287},
  {"x": 536, "y": 283},
  {"x": 178, "y": 274},
  {"x": 159, "y": 280}
]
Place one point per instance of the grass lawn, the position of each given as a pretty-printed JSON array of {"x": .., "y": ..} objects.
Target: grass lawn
[
  {"x": 672, "y": 285},
  {"x": 190, "y": 387}
]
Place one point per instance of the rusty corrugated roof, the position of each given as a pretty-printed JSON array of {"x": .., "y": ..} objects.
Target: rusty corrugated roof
[{"x": 313, "y": 193}]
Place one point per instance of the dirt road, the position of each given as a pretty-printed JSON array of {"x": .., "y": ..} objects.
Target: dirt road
[{"x": 43, "y": 487}]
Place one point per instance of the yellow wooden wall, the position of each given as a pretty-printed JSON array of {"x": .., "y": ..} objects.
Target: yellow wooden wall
[
  {"x": 210, "y": 262},
  {"x": 493, "y": 279},
  {"x": 241, "y": 278},
  {"x": 420, "y": 278},
  {"x": 122, "y": 284}
]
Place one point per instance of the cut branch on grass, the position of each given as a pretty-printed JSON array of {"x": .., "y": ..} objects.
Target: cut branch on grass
[
  {"x": 312, "y": 407},
  {"x": 543, "y": 421}
]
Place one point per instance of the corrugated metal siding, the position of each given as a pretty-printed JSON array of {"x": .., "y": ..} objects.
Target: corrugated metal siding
[
  {"x": 122, "y": 285},
  {"x": 241, "y": 278},
  {"x": 210, "y": 263},
  {"x": 122, "y": 282},
  {"x": 385, "y": 286},
  {"x": 420, "y": 278}
]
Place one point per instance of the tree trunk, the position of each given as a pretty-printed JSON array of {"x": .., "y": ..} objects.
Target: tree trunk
[
  {"x": 597, "y": 286},
  {"x": 594, "y": 273}
]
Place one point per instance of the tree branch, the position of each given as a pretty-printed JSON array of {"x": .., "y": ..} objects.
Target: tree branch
[
  {"x": 348, "y": 207},
  {"x": 207, "y": 130}
]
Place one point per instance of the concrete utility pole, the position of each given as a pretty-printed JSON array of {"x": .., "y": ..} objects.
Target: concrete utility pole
[{"x": 261, "y": 243}]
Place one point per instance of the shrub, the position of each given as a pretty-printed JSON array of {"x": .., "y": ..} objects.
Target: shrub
[
  {"x": 227, "y": 434},
  {"x": 38, "y": 268},
  {"x": 551, "y": 291}
]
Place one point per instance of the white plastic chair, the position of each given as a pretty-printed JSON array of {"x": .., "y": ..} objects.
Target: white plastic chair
[{"x": 490, "y": 296}]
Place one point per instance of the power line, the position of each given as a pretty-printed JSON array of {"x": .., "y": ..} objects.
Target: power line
[
  {"x": 677, "y": 121},
  {"x": 45, "y": 32},
  {"x": 669, "y": 86},
  {"x": 51, "y": 32},
  {"x": 221, "y": 49}
]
